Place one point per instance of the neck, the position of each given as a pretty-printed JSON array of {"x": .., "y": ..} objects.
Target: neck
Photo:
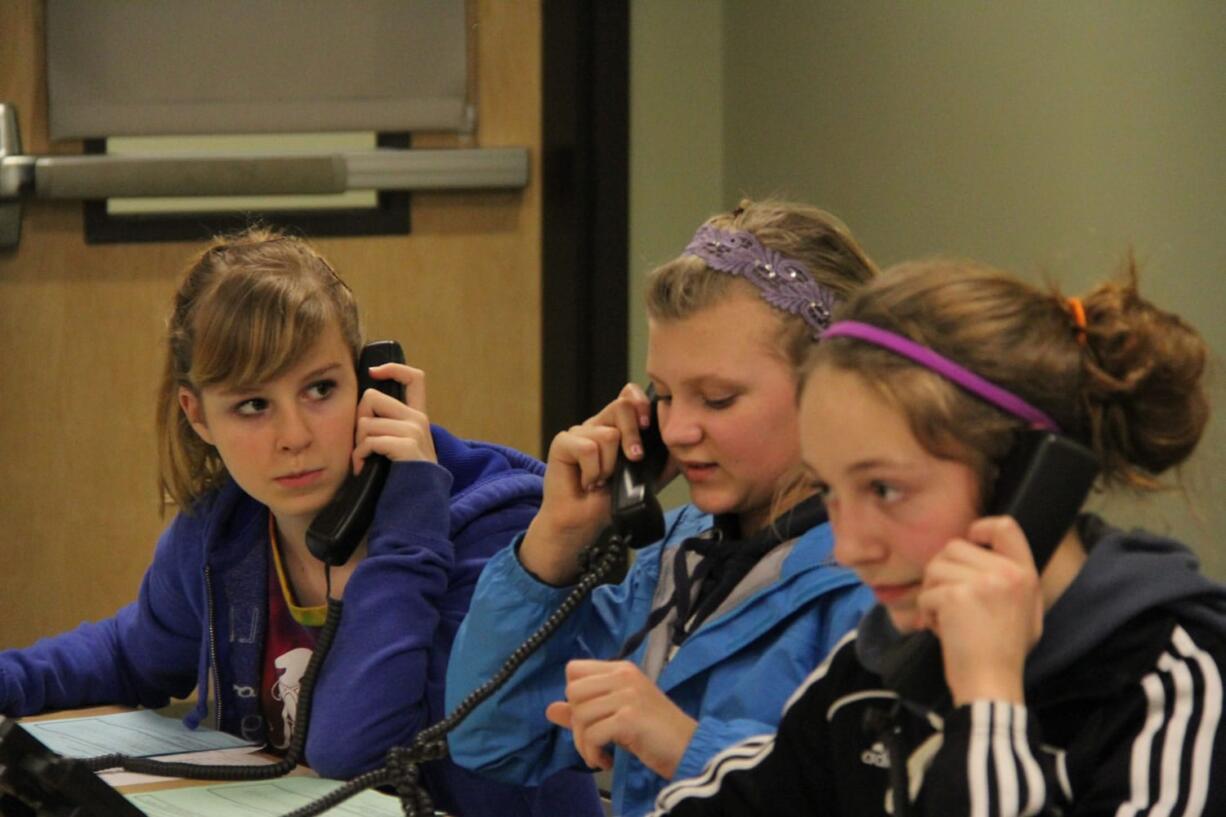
[
  {"x": 753, "y": 521},
  {"x": 1065, "y": 563},
  {"x": 305, "y": 573},
  {"x": 291, "y": 533}
]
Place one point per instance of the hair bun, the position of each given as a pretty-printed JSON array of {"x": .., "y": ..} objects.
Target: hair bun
[{"x": 1144, "y": 393}]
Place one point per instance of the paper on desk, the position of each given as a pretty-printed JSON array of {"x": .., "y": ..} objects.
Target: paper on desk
[
  {"x": 266, "y": 798},
  {"x": 143, "y": 733}
]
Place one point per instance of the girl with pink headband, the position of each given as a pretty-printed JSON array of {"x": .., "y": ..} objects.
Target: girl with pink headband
[
  {"x": 1090, "y": 684},
  {"x": 716, "y": 624}
]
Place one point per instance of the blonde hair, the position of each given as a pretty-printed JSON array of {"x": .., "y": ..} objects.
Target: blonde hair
[
  {"x": 686, "y": 285},
  {"x": 1129, "y": 385},
  {"x": 250, "y": 305},
  {"x": 819, "y": 240}
]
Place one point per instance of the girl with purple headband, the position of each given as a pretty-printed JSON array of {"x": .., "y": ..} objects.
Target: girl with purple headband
[
  {"x": 718, "y": 622},
  {"x": 1089, "y": 686}
]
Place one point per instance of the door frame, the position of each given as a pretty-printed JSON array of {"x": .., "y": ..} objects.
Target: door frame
[{"x": 585, "y": 209}]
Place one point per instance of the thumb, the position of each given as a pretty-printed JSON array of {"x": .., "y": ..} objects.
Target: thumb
[{"x": 558, "y": 713}]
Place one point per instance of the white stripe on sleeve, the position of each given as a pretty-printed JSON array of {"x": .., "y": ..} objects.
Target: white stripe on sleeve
[
  {"x": 1210, "y": 718},
  {"x": 977, "y": 757},
  {"x": 1184, "y": 740},
  {"x": 1006, "y": 771}
]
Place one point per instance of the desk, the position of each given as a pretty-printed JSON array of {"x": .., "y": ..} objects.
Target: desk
[
  {"x": 179, "y": 797},
  {"x": 238, "y": 756}
]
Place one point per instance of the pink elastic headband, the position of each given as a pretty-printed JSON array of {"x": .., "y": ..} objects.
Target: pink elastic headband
[{"x": 1003, "y": 399}]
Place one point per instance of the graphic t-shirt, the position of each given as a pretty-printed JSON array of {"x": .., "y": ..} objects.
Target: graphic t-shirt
[{"x": 288, "y": 644}]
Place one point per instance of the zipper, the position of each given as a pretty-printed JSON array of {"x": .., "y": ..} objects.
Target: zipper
[{"x": 213, "y": 672}]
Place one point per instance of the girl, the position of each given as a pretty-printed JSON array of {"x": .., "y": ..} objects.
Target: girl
[
  {"x": 258, "y": 410},
  {"x": 1091, "y": 687},
  {"x": 721, "y": 619}
]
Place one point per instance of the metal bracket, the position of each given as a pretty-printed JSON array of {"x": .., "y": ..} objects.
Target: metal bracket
[
  {"x": 101, "y": 177},
  {"x": 15, "y": 170}
]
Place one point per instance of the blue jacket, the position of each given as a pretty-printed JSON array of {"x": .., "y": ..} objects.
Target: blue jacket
[
  {"x": 199, "y": 624},
  {"x": 733, "y": 674}
]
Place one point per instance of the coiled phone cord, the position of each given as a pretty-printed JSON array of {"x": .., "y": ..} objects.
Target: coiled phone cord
[
  {"x": 297, "y": 744},
  {"x": 402, "y": 767}
]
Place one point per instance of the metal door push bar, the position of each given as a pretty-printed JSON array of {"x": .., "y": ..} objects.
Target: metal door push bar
[{"x": 102, "y": 177}]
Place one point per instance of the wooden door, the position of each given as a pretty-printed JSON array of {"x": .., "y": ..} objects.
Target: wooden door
[{"x": 80, "y": 328}]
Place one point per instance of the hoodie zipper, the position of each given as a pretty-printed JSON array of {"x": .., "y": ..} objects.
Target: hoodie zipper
[{"x": 213, "y": 673}]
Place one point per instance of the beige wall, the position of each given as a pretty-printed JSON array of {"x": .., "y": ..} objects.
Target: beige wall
[
  {"x": 676, "y": 145},
  {"x": 81, "y": 327},
  {"x": 676, "y": 135},
  {"x": 1040, "y": 137}
]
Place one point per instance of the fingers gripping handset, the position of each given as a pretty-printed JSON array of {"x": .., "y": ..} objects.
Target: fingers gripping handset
[
  {"x": 636, "y": 512},
  {"x": 339, "y": 527},
  {"x": 1043, "y": 482}
]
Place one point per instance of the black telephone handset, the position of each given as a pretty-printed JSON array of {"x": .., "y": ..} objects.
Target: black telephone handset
[
  {"x": 1043, "y": 482},
  {"x": 338, "y": 528},
  {"x": 637, "y": 517}
]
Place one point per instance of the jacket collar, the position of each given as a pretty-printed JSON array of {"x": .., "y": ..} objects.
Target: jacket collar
[{"x": 807, "y": 572}]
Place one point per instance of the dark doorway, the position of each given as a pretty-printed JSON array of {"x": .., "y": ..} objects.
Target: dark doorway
[{"x": 585, "y": 256}]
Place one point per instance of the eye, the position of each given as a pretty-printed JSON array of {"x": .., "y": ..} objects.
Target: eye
[
  {"x": 719, "y": 403},
  {"x": 251, "y": 407},
  {"x": 884, "y": 491},
  {"x": 320, "y": 389}
]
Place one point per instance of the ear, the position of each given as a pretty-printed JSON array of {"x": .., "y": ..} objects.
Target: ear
[{"x": 193, "y": 410}]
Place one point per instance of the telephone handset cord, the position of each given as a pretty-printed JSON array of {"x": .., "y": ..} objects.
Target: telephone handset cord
[
  {"x": 402, "y": 768},
  {"x": 297, "y": 743}
]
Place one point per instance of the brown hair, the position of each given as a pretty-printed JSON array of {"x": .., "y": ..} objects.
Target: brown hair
[
  {"x": 687, "y": 285},
  {"x": 1131, "y": 389},
  {"x": 250, "y": 305}
]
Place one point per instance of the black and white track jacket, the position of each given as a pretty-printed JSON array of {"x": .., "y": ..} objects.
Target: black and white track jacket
[{"x": 1123, "y": 716}]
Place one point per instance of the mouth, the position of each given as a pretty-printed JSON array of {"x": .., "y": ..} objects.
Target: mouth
[
  {"x": 300, "y": 479},
  {"x": 888, "y": 594},
  {"x": 698, "y": 471}
]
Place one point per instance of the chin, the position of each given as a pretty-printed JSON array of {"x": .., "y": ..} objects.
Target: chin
[
  {"x": 308, "y": 505},
  {"x": 905, "y": 620},
  {"x": 713, "y": 502}
]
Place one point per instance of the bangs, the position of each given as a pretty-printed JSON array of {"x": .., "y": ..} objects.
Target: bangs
[
  {"x": 948, "y": 423},
  {"x": 256, "y": 329},
  {"x": 684, "y": 286}
]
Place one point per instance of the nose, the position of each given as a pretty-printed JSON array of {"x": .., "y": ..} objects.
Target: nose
[
  {"x": 855, "y": 543},
  {"x": 679, "y": 424},
  {"x": 293, "y": 430}
]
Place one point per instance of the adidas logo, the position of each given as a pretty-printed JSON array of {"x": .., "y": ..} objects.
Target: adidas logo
[{"x": 876, "y": 756}]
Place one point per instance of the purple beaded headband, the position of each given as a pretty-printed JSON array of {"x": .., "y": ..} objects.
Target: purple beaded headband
[
  {"x": 785, "y": 283},
  {"x": 1003, "y": 399}
]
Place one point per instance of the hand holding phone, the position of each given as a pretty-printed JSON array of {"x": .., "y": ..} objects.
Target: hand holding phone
[
  {"x": 983, "y": 599},
  {"x": 584, "y": 481},
  {"x": 339, "y": 527},
  {"x": 1043, "y": 483},
  {"x": 637, "y": 516},
  {"x": 397, "y": 428}
]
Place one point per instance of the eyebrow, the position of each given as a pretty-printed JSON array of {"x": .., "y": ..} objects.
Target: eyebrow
[
  {"x": 860, "y": 466},
  {"x": 322, "y": 370},
  {"x": 705, "y": 380},
  {"x": 869, "y": 464},
  {"x": 240, "y": 389}
]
